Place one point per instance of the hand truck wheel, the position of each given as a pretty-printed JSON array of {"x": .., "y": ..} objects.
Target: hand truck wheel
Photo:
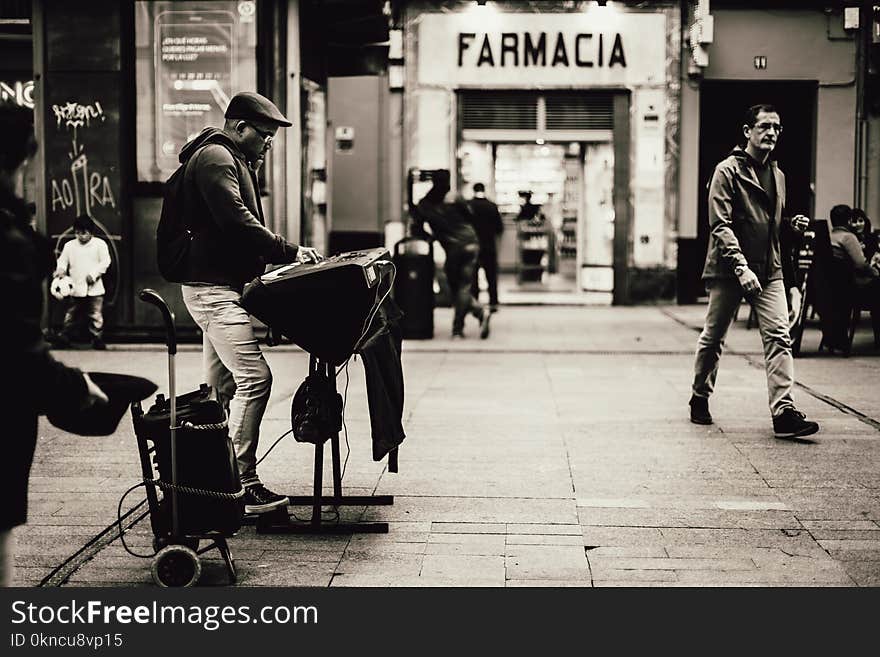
[
  {"x": 176, "y": 566},
  {"x": 160, "y": 542}
]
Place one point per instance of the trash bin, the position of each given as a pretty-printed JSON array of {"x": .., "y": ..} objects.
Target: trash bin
[{"x": 414, "y": 287}]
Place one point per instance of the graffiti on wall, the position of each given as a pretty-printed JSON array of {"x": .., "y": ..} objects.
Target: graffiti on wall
[{"x": 84, "y": 188}]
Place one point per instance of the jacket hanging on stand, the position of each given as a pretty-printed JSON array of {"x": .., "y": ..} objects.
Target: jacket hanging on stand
[{"x": 380, "y": 351}]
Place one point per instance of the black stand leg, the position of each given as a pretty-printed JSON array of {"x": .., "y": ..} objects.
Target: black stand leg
[{"x": 272, "y": 523}]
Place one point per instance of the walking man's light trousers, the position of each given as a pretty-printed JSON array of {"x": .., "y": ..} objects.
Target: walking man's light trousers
[
  {"x": 234, "y": 367},
  {"x": 771, "y": 308}
]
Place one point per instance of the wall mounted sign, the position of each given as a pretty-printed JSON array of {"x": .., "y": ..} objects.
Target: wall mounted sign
[
  {"x": 566, "y": 49},
  {"x": 18, "y": 92},
  {"x": 344, "y": 138}
]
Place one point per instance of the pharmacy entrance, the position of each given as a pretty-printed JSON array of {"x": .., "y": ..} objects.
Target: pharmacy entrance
[{"x": 556, "y": 202}]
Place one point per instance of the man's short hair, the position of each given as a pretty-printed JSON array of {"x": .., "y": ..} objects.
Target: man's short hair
[
  {"x": 479, "y": 187},
  {"x": 840, "y": 215},
  {"x": 751, "y": 116},
  {"x": 84, "y": 222}
]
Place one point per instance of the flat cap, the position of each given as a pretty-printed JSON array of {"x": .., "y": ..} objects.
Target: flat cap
[{"x": 248, "y": 105}]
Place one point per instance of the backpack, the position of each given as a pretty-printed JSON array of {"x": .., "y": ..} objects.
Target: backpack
[{"x": 173, "y": 235}]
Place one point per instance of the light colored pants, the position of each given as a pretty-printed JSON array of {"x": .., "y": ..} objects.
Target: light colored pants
[
  {"x": 771, "y": 307},
  {"x": 234, "y": 367}
]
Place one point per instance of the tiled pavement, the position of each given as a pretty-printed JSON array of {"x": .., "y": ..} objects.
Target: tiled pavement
[{"x": 556, "y": 453}]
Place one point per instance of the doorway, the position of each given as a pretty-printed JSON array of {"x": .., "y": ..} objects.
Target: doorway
[
  {"x": 568, "y": 246},
  {"x": 723, "y": 104}
]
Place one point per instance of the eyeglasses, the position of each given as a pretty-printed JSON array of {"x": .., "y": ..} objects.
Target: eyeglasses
[
  {"x": 764, "y": 127},
  {"x": 267, "y": 136}
]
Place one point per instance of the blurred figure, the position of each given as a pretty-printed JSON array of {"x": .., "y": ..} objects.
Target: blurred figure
[
  {"x": 86, "y": 260},
  {"x": 450, "y": 226},
  {"x": 855, "y": 280},
  {"x": 529, "y": 212},
  {"x": 487, "y": 222},
  {"x": 33, "y": 382}
]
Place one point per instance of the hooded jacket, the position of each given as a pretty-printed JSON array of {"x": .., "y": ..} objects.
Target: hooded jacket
[
  {"x": 744, "y": 228},
  {"x": 448, "y": 223},
  {"x": 222, "y": 204}
]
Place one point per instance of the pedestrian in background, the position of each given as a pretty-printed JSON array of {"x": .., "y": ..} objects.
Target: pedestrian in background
[
  {"x": 231, "y": 247},
  {"x": 861, "y": 227},
  {"x": 862, "y": 277},
  {"x": 451, "y": 227},
  {"x": 33, "y": 382},
  {"x": 85, "y": 259},
  {"x": 487, "y": 222},
  {"x": 745, "y": 257}
]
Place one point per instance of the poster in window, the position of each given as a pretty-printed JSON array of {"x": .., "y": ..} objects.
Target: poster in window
[
  {"x": 195, "y": 76},
  {"x": 191, "y": 57}
]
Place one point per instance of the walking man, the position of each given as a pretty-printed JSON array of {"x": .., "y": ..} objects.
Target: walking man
[
  {"x": 487, "y": 222},
  {"x": 232, "y": 246},
  {"x": 746, "y": 198}
]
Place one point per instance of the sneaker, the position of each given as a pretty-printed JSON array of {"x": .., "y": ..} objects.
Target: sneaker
[
  {"x": 458, "y": 335},
  {"x": 484, "y": 325},
  {"x": 700, "y": 410},
  {"x": 791, "y": 423},
  {"x": 259, "y": 499},
  {"x": 98, "y": 344},
  {"x": 493, "y": 307}
]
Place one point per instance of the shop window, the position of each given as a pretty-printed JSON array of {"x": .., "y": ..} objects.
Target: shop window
[{"x": 192, "y": 57}]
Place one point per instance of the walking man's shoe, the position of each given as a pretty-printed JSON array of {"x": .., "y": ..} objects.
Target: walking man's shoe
[
  {"x": 791, "y": 423},
  {"x": 259, "y": 499},
  {"x": 484, "y": 324},
  {"x": 700, "y": 410},
  {"x": 98, "y": 344}
]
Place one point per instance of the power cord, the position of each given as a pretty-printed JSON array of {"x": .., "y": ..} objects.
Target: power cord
[
  {"x": 131, "y": 526},
  {"x": 272, "y": 446}
]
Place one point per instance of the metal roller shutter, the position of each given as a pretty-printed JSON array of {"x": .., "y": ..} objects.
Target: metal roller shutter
[{"x": 517, "y": 110}]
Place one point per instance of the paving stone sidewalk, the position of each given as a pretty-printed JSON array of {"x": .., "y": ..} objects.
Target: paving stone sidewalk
[{"x": 556, "y": 453}]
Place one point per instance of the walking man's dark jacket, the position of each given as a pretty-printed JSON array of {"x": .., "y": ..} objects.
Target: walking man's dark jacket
[
  {"x": 487, "y": 222},
  {"x": 222, "y": 203},
  {"x": 746, "y": 226}
]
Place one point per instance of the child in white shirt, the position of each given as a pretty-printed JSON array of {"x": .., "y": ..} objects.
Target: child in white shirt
[{"x": 85, "y": 259}]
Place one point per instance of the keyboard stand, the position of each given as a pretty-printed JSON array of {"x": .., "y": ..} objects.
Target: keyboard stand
[{"x": 280, "y": 522}]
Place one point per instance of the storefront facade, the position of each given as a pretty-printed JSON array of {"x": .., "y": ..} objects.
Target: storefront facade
[
  {"x": 120, "y": 87},
  {"x": 575, "y": 103},
  {"x": 804, "y": 59},
  {"x": 604, "y": 111}
]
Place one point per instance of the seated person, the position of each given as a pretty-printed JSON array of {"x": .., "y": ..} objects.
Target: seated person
[
  {"x": 861, "y": 226},
  {"x": 845, "y": 248}
]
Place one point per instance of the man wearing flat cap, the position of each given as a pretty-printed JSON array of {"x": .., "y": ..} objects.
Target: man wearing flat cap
[{"x": 232, "y": 247}]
